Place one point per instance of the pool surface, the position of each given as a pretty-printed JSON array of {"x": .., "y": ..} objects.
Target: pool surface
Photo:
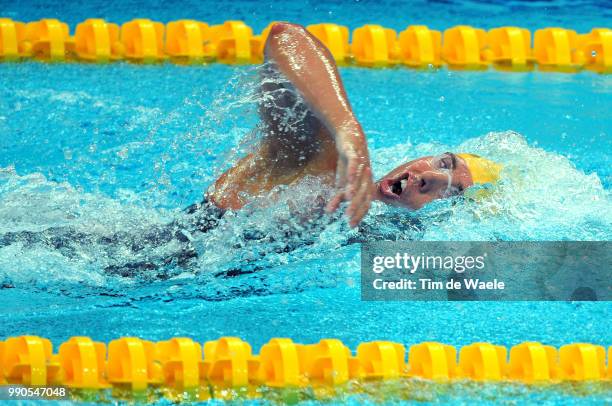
[{"x": 122, "y": 148}]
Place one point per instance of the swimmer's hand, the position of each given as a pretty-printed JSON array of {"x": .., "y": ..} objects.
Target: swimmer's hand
[{"x": 353, "y": 176}]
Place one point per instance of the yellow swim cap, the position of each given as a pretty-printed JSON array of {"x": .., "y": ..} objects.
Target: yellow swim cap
[{"x": 481, "y": 169}]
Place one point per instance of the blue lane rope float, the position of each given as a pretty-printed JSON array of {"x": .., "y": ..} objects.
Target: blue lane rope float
[{"x": 233, "y": 42}]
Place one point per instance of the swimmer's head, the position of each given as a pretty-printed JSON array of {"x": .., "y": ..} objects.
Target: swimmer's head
[{"x": 416, "y": 183}]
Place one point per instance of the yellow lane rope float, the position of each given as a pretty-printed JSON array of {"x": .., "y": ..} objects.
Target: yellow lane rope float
[
  {"x": 229, "y": 362},
  {"x": 233, "y": 42}
]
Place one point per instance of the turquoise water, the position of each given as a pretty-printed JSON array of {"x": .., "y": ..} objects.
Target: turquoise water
[{"x": 117, "y": 148}]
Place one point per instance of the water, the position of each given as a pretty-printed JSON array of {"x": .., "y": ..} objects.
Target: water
[{"x": 122, "y": 148}]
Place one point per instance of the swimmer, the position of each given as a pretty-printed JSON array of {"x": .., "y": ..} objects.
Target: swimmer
[
  {"x": 328, "y": 141},
  {"x": 309, "y": 129}
]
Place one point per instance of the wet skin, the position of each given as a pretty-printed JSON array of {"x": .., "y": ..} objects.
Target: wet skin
[{"x": 418, "y": 182}]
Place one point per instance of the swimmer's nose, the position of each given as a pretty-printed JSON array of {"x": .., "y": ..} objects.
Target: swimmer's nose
[{"x": 433, "y": 180}]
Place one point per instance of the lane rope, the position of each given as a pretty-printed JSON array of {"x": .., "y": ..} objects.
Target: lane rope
[
  {"x": 230, "y": 362},
  {"x": 233, "y": 42}
]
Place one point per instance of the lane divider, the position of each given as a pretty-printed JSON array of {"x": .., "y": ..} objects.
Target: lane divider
[
  {"x": 420, "y": 46},
  {"x": 229, "y": 362},
  {"x": 509, "y": 47},
  {"x": 97, "y": 41},
  {"x": 233, "y": 42}
]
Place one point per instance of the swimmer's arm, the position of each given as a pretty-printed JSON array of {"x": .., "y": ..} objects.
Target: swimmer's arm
[{"x": 311, "y": 68}]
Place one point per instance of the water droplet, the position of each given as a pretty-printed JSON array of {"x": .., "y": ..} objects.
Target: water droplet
[{"x": 123, "y": 153}]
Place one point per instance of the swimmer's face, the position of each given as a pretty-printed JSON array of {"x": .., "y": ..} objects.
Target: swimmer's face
[{"x": 416, "y": 183}]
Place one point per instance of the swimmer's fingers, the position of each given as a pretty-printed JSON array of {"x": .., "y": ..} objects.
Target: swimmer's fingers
[
  {"x": 353, "y": 168},
  {"x": 354, "y": 180},
  {"x": 361, "y": 193},
  {"x": 341, "y": 174},
  {"x": 358, "y": 215},
  {"x": 360, "y": 202},
  {"x": 335, "y": 202},
  {"x": 341, "y": 183}
]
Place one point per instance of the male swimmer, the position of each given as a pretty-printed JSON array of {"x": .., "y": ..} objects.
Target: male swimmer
[
  {"x": 329, "y": 142},
  {"x": 309, "y": 129}
]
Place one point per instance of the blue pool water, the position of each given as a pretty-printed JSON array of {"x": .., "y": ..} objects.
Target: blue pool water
[{"x": 117, "y": 148}]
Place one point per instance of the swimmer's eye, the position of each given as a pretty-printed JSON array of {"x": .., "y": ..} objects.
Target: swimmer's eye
[{"x": 447, "y": 161}]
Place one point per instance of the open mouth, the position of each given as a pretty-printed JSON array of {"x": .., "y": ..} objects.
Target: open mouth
[{"x": 393, "y": 188}]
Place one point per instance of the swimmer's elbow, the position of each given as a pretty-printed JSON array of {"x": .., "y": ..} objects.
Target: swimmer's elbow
[
  {"x": 283, "y": 30},
  {"x": 279, "y": 28},
  {"x": 285, "y": 27}
]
